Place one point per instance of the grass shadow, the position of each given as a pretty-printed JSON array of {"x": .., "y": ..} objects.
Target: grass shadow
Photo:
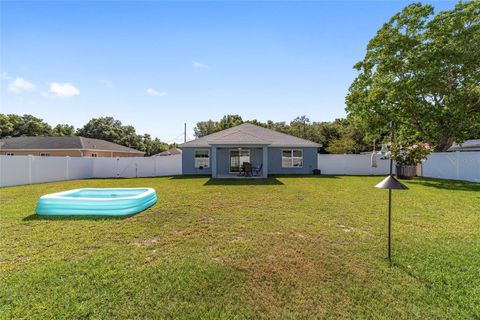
[
  {"x": 305, "y": 176},
  {"x": 243, "y": 182},
  {"x": 447, "y": 184},
  {"x": 36, "y": 217},
  {"x": 188, "y": 177}
]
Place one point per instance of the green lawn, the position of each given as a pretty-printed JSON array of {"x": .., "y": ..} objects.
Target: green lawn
[{"x": 290, "y": 247}]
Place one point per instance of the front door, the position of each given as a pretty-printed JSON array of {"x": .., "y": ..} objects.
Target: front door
[{"x": 237, "y": 158}]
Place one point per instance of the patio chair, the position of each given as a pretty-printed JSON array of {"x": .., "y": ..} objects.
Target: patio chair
[
  {"x": 247, "y": 169},
  {"x": 257, "y": 170}
]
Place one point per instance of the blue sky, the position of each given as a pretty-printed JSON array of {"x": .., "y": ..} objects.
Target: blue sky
[{"x": 156, "y": 65}]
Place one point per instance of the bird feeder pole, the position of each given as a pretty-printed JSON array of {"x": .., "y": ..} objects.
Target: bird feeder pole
[
  {"x": 390, "y": 183},
  {"x": 392, "y": 138}
]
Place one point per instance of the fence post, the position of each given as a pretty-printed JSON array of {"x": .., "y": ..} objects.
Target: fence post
[
  {"x": 154, "y": 166},
  {"x": 30, "y": 160},
  {"x": 67, "y": 173},
  {"x": 457, "y": 165},
  {"x": 118, "y": 173}
]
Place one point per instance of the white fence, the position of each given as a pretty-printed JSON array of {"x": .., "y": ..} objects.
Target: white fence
[
  {"x": 352, "y": 164},
  {"x": 18, "y": 170},
  {"x": 442, "y": 165},
  {"x": 453, "y": 165}
]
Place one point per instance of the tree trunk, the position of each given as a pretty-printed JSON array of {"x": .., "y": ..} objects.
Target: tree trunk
[{"x": 444, "y": 144}]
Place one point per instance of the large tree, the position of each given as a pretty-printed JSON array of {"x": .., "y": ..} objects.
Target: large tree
[
  {"x": 110, "y": 129},
  {"x": 323, "y": 133},
  {"x": 153, "y": 146},
  {"x": 204, "y": 128},
  {"x": 422, "y": 71},
  {"x": 12, "y": 125},
  {"x": 105, "y": 128},
  {"x": 63, "y": 130}
]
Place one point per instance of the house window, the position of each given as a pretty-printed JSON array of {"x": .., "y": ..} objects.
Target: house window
[
  {"x": 44, "y": 154},
  {"x": 202, "y": 158},
  {"x": 94, "y": 155},
  {"x": 237, "y": 158},
  {"x": 292, "y": 158},
  {"x": 10, "y": 154}
]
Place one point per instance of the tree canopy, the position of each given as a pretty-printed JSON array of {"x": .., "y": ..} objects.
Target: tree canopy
[
  {"x": 422, "y": 71},
  {"x": 337, "y": 132},
  {"x": 106, "y": 128}
]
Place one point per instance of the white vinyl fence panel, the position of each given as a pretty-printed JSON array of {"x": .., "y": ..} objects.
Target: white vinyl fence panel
[
  {"x": 18, "y": 170},
  {"x": 45, "y": 169},
  {"x": 453, "y": 165},
  {"x": 80, "y": 168},
  {"x": 137, "y": 167},
  {"x": 14, "y": 170},
  {"x": 352, "y": 164}
]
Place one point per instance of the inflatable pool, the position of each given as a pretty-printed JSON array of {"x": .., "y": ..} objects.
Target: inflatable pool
[{"x": 97, "y": 202}]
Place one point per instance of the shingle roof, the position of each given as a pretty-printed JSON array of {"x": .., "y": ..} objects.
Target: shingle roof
[
  {"x": 40, "y": 142},
  {"x": 248, "y": 133},
  {"x": 469, "y": 145},
  {"x": 170, "y": 152}
]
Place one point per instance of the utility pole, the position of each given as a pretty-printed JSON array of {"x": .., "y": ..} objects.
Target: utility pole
[
  {"x": 185, "y": 132},
  {"x": 304, "y": 128}
]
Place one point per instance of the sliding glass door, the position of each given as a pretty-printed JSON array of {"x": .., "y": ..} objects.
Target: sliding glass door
[{"x": 237, "y": 158}]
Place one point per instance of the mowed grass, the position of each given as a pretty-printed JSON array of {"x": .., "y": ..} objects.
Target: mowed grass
[{"x": 282, "y": 248}]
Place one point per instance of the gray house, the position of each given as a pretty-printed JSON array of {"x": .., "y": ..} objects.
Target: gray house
[{"x": 223, "y": 153}]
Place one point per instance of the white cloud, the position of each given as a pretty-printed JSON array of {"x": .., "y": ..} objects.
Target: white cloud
[
  {"x": 20, "y": 85},
  {"x": 199, "y": 66},
  {"x": 63, "y": 89},
  {"x": 107, "y": 83},
  {"x": 153, "y": 92},
  {"x": 5, "y": 76}
]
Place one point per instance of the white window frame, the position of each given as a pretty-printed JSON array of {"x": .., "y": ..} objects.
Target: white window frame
[
  {"x": 198, "y": 165},
  {"x": 240, "y": 162},
  {"x": 291, "y": 166},
  {"x": 10, "y": 154}
]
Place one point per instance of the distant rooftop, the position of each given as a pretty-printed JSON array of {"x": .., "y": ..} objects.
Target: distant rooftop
[
  {"x": 170, "y": 152},
  {"x": 80, "y": 143},
  {"x": 250, "y": 134},
  {"x": 469, "y": 145}
]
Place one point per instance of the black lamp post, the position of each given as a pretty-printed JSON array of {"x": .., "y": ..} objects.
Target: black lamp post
[{"x": 390, "y": 183}]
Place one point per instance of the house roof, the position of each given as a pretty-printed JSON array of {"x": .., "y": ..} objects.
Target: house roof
[
  {"x": 250, "y": 134},
  {"x": 81, "y": 143},
  {"x": 170, "y": 152},
  {"x": 469, "y": 145}
]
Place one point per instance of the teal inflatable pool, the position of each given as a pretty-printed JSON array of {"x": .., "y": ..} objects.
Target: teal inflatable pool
[{"x": 97, "y": 202}]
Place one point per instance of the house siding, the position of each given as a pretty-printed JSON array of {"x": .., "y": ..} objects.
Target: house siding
[
  {"x": 223, "y": 158},
  {"x": 188, "y": 162},
  {"x": 275, "y": 161}
]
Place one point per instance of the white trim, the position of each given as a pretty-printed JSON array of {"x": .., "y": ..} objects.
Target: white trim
[
  {"x": 230, "y": 158},
  {"x": 195, "y": 158},
  {"x": 292, "y": 158}
]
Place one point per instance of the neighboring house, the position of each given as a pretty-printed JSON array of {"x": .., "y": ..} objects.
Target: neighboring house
[
  {"x": 222, "y": 154},
  {"x": 171, "y": 152},
  {"x": 469, "y": 145},
  {"x": 65, "y": 146}
]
